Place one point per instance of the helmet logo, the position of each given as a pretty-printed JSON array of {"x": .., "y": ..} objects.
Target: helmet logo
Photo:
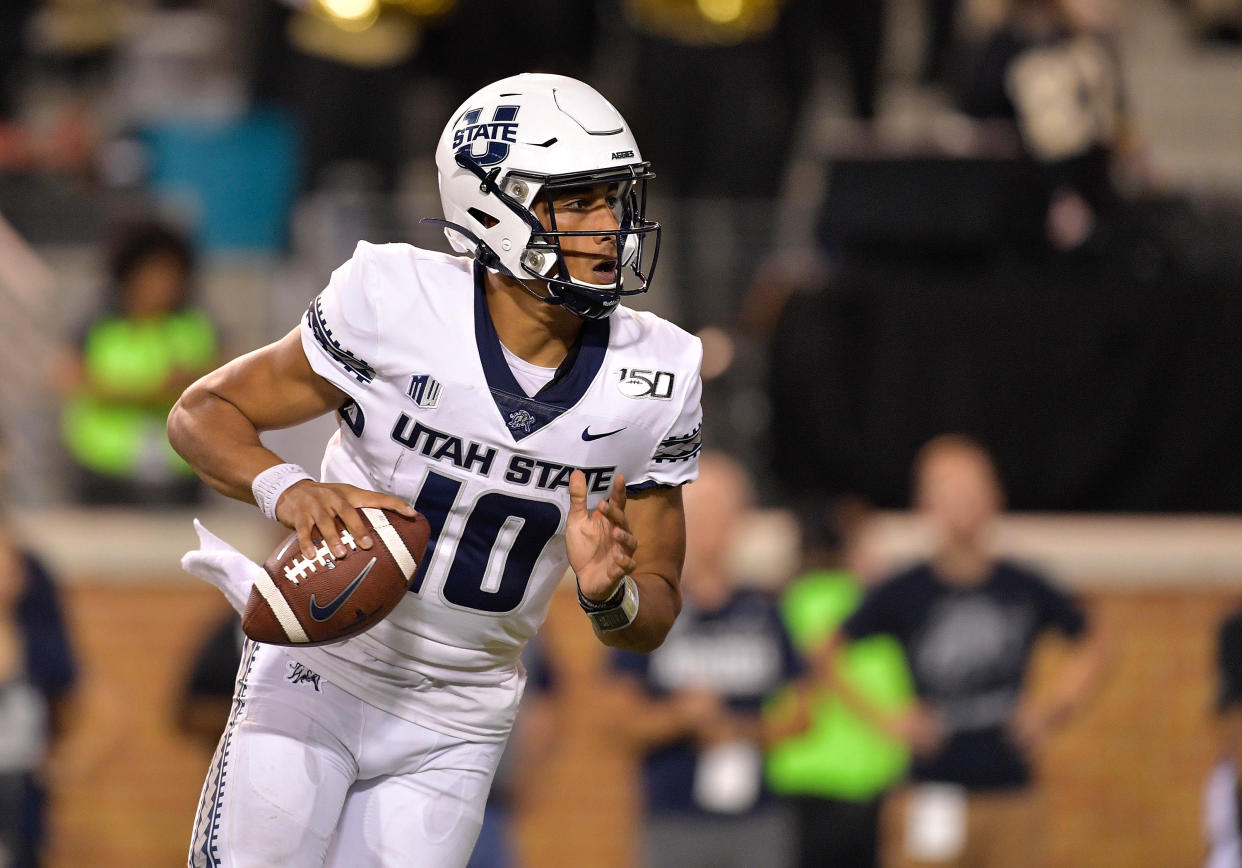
[{"x": 487, "y": 143}]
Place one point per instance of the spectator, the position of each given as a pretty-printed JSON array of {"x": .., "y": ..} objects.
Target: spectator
[
  {"x": 128, "y": 368},
  {"x": 1058, "y": 77},
  {"x": 1222, "y": 801},
  {"x": 836, "y": 771},
  {"x": 37, "y": 672},
  {"x": 696, "y": 698},
  {"x": 968, "y": 622}
]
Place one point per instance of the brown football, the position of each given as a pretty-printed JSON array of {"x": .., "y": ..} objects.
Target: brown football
[{"x": 325, "y": 599}]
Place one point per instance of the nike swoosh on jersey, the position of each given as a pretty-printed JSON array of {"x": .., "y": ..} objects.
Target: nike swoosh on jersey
[
  {"x": 588, "y": 436},
  {"x": 323, "y": 613}
]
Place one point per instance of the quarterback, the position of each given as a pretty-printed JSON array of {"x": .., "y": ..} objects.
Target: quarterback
[{"x": 507, "y": 396}]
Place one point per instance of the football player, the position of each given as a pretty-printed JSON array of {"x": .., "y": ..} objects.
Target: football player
[{"x": 508, "y": 397}]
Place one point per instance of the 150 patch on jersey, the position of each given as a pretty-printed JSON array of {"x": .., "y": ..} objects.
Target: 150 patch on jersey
[{"x": 645, "y": 383}]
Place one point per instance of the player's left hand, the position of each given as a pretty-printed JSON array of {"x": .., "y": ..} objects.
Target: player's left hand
[{"x": 599, "y": 542}]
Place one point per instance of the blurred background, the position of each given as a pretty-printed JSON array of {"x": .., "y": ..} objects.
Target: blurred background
[{"x": 888, "y": 220}]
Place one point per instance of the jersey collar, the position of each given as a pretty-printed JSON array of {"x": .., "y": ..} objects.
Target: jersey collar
[{"x": 524, "y": 414}]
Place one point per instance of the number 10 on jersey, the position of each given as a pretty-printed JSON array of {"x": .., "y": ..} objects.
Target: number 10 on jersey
[{"x": 493, "y": 557}]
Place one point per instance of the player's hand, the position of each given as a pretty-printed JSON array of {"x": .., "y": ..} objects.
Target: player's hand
[
  {"x": 313, "y": 508},
  {"x": 599, "y": 543}
]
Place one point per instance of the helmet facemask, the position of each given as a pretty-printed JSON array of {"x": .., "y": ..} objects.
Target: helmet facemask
[{"x": 543, "y": 258}]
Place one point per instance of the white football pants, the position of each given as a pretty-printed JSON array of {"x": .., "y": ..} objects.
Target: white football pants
[{"x": 306, "y": 775}]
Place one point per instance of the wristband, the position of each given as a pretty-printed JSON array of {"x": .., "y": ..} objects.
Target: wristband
[
  {"x": 618, "y": 611},
  {"x": 610, "y": 602},
  {"x": 269, "y": 485}
]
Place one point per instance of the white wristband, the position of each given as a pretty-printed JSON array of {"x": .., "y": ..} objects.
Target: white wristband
[{"x": 269, "y": 485}]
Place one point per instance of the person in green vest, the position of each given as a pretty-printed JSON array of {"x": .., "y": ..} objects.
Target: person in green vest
[
  {"x": 128, "y": 368},
  {"x": 836, "y": 772}
]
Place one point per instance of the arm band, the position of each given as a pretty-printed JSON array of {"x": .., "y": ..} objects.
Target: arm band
[
  {"x": 269, "y": 485},
  {"x": 618, "y": 611}
]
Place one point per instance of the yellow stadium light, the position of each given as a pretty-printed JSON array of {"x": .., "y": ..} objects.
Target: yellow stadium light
[
  {"x": 353, "y": 14},
  {"x": 721, "y": 11}
]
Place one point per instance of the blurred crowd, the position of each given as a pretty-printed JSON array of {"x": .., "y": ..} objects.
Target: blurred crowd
[
  {"x": 1019, "y": 274},
  {"x": 847, "y": 715}
]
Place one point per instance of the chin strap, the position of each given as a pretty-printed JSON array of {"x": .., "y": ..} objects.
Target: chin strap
[{"x": 485, "y": 256}]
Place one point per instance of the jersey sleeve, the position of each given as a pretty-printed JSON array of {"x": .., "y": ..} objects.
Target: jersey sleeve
[
  {"x": 791, "y": 658},
  {"x": 41, "y": 621},
  {"x": 675, "y": 460},
  {"x": 1059, "y": 610},
  {"x": 878, "y": 613},
  {"x": 340, "y": 331}
]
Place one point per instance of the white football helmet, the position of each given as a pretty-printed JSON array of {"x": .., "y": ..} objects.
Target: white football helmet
[{"x": 524, "y": 137}]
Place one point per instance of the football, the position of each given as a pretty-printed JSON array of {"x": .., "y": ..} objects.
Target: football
[{"x": 300, "y": 601}]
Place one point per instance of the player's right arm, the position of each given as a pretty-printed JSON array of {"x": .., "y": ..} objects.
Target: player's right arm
[{"x": 216, "y": 423}]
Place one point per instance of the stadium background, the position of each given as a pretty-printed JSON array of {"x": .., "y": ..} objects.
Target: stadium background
[{"x": 1108, "y": 392}]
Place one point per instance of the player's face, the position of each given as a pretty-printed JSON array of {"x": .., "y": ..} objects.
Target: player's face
[{"x": 589, "y": 258}]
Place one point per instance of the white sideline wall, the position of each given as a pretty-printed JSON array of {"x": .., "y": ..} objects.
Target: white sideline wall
[{"x": 1083, "y": 552}]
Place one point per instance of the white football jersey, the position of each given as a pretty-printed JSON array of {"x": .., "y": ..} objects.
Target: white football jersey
[{"x": 438, "y": 419}]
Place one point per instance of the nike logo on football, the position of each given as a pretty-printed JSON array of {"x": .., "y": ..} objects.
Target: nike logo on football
[
  {"x": 323, "y": 613},
  {"x": 588, "y": 436}
]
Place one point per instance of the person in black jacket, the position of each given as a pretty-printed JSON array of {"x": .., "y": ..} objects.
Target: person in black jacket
[
  {"x": 968, "y": 621},
  {"x": 37, "y": 673},
  {"x": 1059, "y": 79},
  {"x": 1222, "y": 803}
]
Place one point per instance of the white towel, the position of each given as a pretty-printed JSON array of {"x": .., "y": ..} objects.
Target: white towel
[{"x": 224, "y": 566}]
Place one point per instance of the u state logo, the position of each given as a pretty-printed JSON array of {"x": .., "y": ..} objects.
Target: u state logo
[{"x": 487, "y": 143}]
